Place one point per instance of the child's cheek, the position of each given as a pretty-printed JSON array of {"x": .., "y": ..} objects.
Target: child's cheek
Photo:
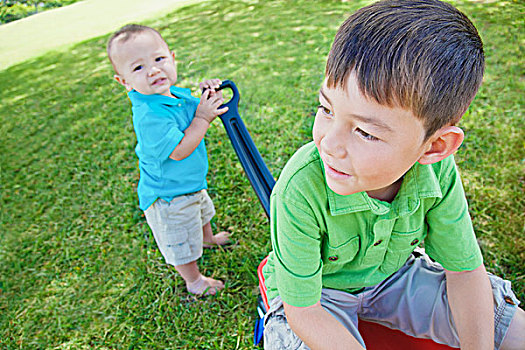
[{"x": 317, "y": 131}]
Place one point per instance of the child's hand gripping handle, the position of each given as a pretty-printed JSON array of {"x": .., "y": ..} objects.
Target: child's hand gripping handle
[{"x": 258, "y": 173}]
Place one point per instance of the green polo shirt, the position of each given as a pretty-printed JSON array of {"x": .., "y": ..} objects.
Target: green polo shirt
[{"x": 324, "y": 240}]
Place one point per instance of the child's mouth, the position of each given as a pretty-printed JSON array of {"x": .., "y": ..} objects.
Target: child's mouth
[
  {"x": 334, "y": 173},
  {"x": 159, "y": 81}
]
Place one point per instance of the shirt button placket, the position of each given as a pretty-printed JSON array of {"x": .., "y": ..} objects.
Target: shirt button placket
[
  {"x": 382, "y": 230},
  {"x": 378, "y": 246}
]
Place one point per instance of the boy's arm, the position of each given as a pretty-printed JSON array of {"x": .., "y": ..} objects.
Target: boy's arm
[
  {"x": 471, "y": 302},
  {"x": 207, "y": 111},
  {"x": 318, "y": 329}
]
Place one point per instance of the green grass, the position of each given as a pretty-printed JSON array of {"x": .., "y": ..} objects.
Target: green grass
[{"x": 79, "y": 268}]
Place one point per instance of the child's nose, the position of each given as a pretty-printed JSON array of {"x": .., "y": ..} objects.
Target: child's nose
[
  {"x": 154, "y": 70},
  {"x": 334, "y": 142}
]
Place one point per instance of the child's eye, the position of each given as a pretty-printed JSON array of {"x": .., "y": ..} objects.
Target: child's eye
[
  {"x": 158, "y": 59},
  {"x": 137, "y": 68},
  {"x": 325, "y": 110},
  {"x": 366, "y": 135}
]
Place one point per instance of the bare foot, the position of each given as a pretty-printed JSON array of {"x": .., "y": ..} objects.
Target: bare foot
[
  {"x": 220, "y": 239},
  {"x": 205, "y": 286}
]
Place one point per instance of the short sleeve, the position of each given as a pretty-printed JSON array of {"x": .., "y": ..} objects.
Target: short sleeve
[
  {"x": 158, "y": 135},
  {"x": 451, "y": 240},
  {"x": 296, "y": 244}
]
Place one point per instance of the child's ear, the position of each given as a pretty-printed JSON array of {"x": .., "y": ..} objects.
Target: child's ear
[
  {"x": 122, "y": 82},
  {"x": 443, "y": 143}
]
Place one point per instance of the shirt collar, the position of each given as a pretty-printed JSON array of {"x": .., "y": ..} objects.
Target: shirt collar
[
  {"x": 137, "y": 98},
  {"x": 419, "y": 182}
]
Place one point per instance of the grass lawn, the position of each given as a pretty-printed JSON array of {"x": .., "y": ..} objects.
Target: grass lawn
[
  {"x": 79, "y": 267},
  {"x": 61, "y": 27}
]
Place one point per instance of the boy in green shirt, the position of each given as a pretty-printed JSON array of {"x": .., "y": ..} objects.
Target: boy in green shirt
[{"x": 378, "y": 179}]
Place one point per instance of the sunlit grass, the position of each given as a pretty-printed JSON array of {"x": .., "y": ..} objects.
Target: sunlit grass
[
  {"x": 59, "y": 28},
  {"x": 79, "y": 268}
]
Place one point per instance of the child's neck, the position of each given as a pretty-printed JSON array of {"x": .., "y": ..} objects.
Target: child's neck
[
  {"x": 386, "y": 194},
  {"x": 168, "y": 93}
]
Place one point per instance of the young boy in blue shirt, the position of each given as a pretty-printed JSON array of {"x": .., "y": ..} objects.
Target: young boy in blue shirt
[
  {"x": 170, "y": 125},
  {"x": 379, "y": 178}
]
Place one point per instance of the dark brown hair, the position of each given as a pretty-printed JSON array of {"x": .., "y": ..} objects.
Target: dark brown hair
[{"x": 425, "y": 56}]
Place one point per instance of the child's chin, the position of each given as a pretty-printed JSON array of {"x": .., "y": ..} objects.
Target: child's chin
[{"x": 340, "y": 190}]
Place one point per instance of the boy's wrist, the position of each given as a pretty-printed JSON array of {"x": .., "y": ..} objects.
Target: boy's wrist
[
  {"x": 201, "y": 115},
  {"x": 203, "y": 118}
]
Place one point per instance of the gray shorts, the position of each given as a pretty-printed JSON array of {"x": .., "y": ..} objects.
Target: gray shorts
[
  {"x": 177, "y": 226},
  {"x": 412, "y": 300}
]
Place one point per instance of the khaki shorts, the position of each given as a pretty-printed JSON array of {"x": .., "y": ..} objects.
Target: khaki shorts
[
  {"x": 412, "y": 300},
  {"x": 177, "y": 226}
]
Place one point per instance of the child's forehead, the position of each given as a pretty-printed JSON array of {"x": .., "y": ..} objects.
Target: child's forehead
[
  {"x": 349, "y": 99},
  {"x": 147, "y": 38},
  {"x": 352, "y": 86},
  {"x": 349, "y": 86},
  {"x": 139, "y": 43}
]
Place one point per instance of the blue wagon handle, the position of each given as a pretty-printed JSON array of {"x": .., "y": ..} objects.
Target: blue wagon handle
[{"x": 256, "y": 170}]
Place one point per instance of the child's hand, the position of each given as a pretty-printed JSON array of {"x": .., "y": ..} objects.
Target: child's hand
[
  {"x": 208, "y": 108},
  {"x": 210, "y": 84}
]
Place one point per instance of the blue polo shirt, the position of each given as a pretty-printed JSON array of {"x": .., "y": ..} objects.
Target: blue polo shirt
[{"x": 159, "y": 122}]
